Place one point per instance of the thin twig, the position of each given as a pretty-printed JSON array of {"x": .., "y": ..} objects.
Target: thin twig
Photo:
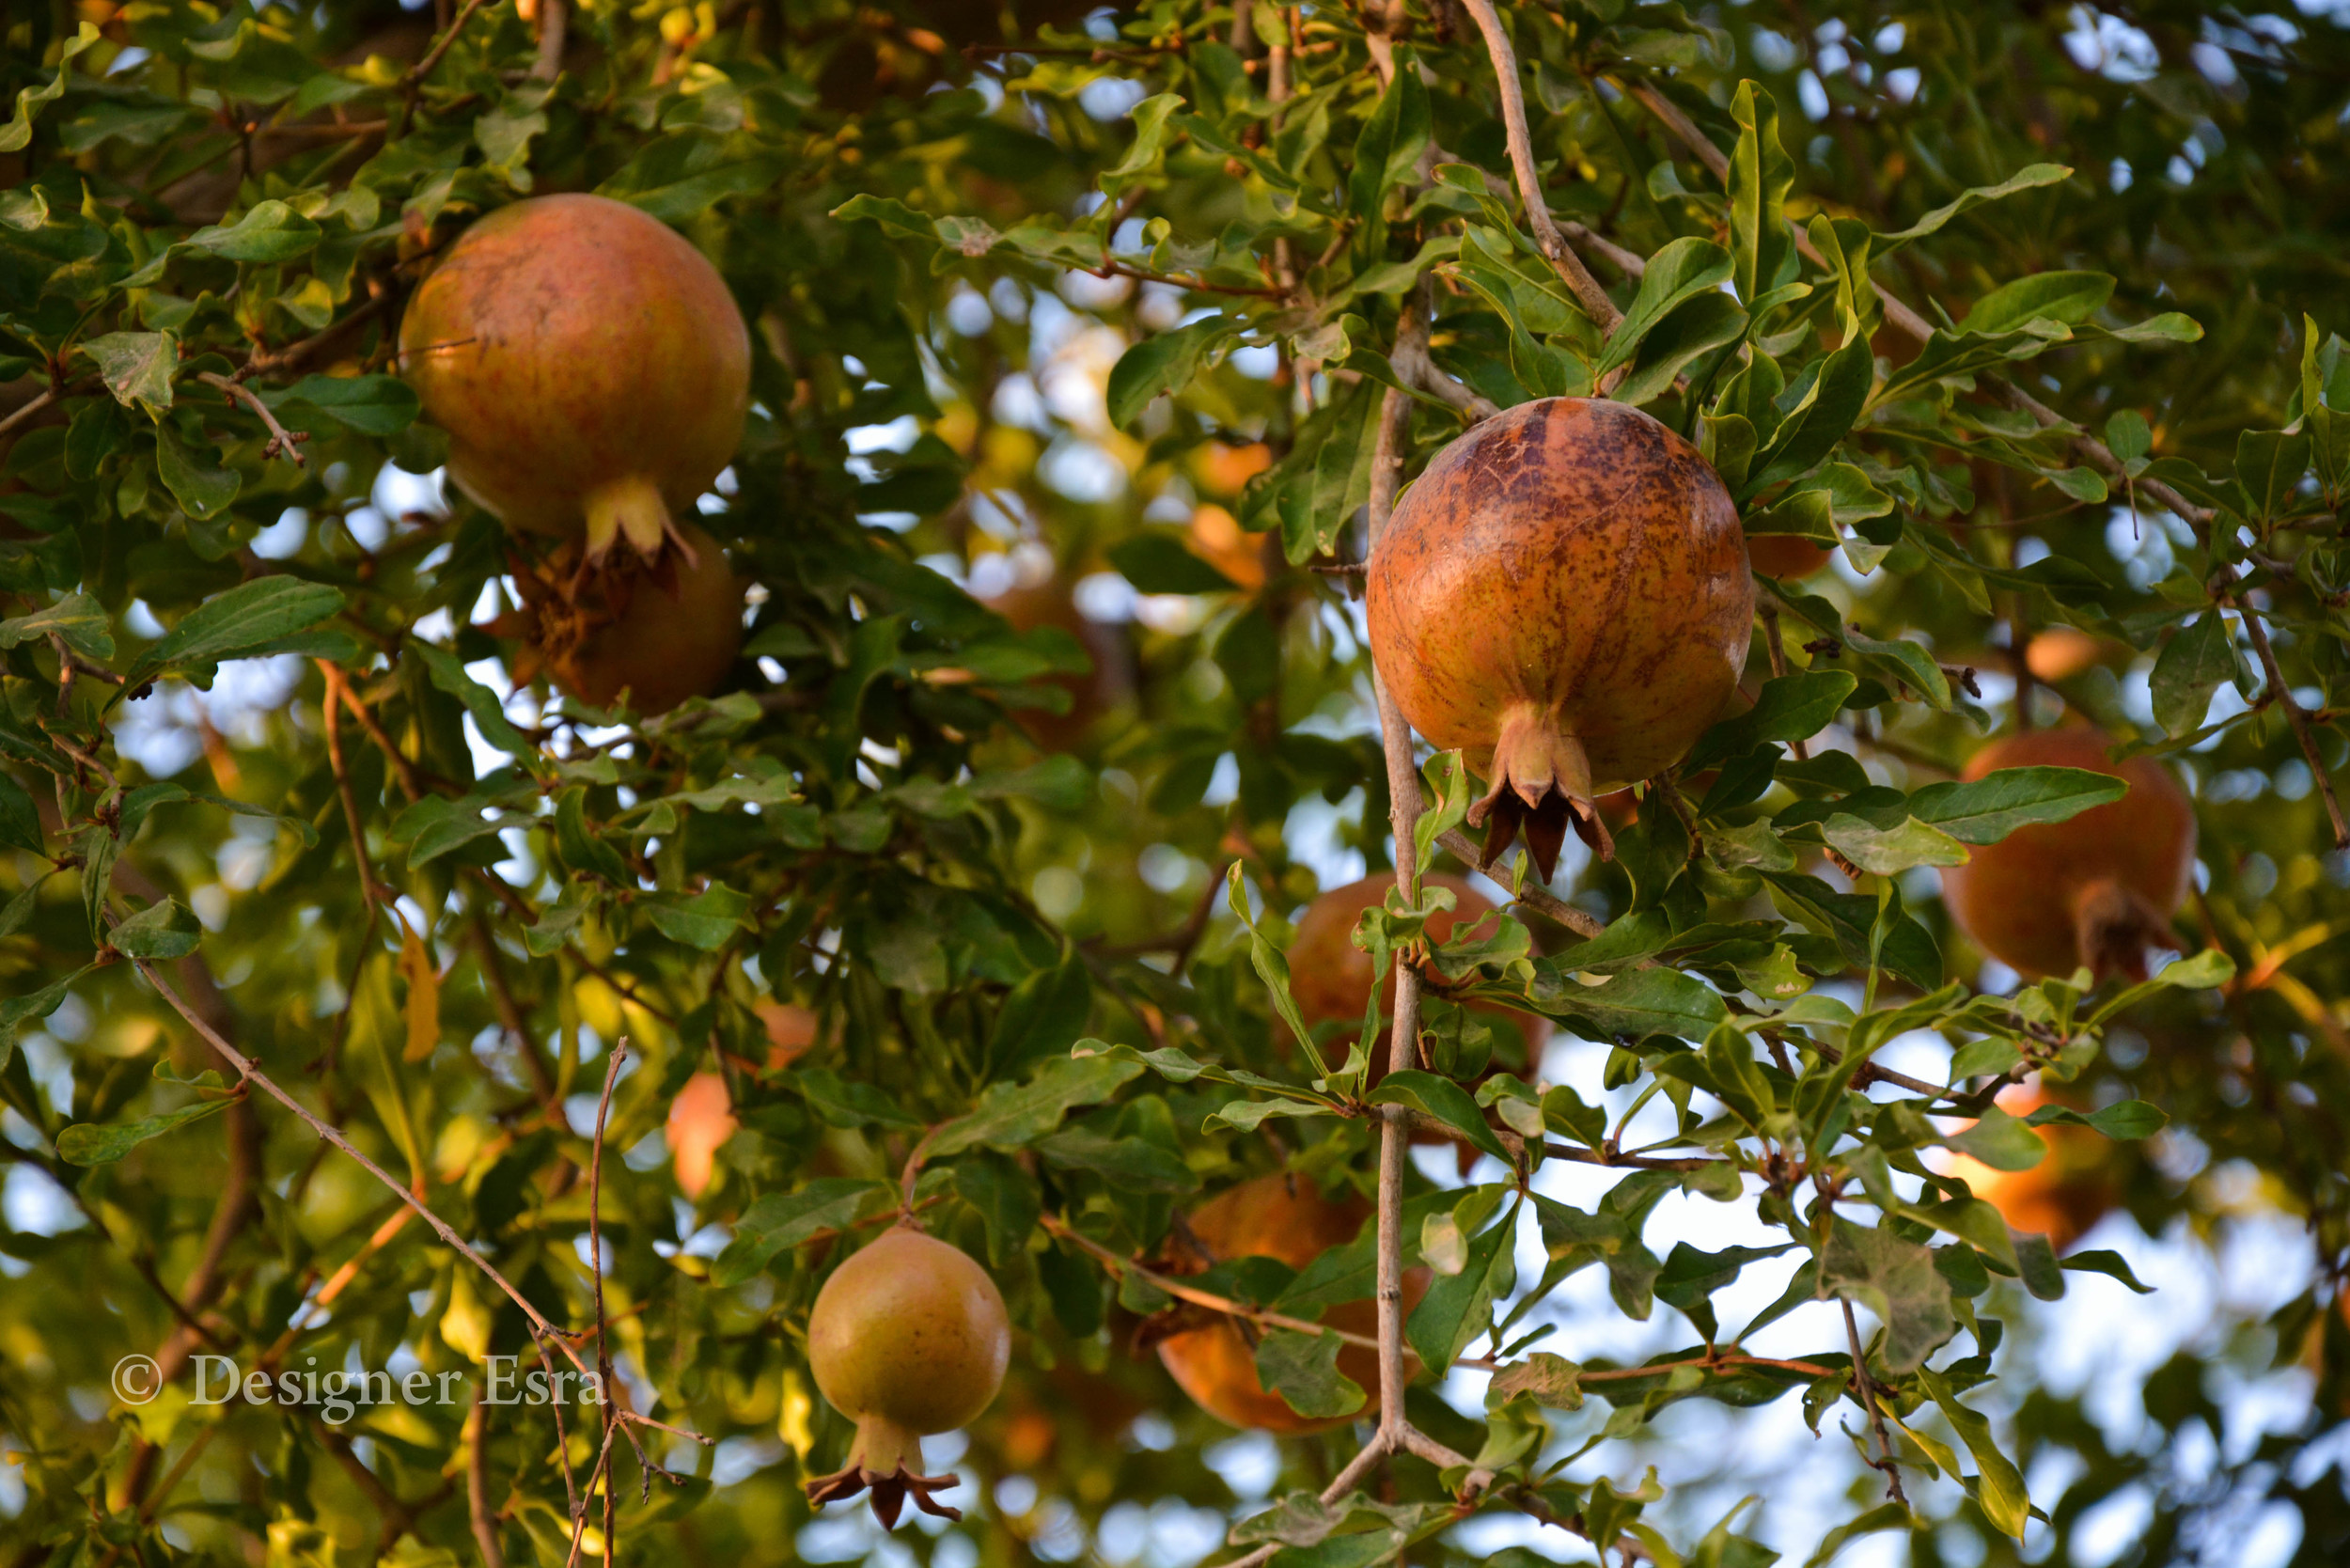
[
  {"x": 554, "y": 22},
  {"x": 432, "y": 58},
  {"x": 282, "y": 442},
  {"x": 2296, "y": 715},
  {"x": 485, "y": 1525},
  {"x": 1554, "y": 246},
  {"x": 1866, "y": 1386},
  {"x": 1533, "y": 895},
  {"x": 247, "y": 1069},
  {"x": 30, "y": 408}
]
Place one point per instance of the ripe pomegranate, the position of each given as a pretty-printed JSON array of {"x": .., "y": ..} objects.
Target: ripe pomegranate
[
  {"x": 2061, "y": 653},
  {"x": 1049, "y": 603},
  {"x": 2097, "y": 889},
  {"x": 700, "y": 1119},
  {"x": 660, "y": 633},
  {"x": 908, "y": 1336},
  {"x": 1217, "y": 537},
  {"x": 1565, "y": 594},
  {"x": 2061, "y": 1198},
  {"x": 591, "y": 366},
  {"x": 1330, "y": 976},
  {"x": 790, "y": 1031},
  {"x": 1273, "y": 1217},
  {"x": 1786, "y": 556}
]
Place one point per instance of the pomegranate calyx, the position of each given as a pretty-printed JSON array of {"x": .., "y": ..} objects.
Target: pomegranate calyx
[
  {"x": 1541, "y": 783},
  {"x": 2114, "y": 926},
  {"x": 877, "y": 1464},
  {"x": 631, "y": 508}
]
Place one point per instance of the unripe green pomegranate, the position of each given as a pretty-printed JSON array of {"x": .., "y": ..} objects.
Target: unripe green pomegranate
[
  {"x": 1563, "y": 595},
  {"x": 908, "y": 1336},
  {"x": 2098, "y": 889},
  {"x": 589, "y": 364}
]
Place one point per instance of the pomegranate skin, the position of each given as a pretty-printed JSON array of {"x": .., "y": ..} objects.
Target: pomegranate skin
[
  {"x": 2097, "y": 889},
  {"x": 1564, "y": 595},
  {"x": 1284, "y": 1217},
  {"x": 589, "y": 364},
  {"x": 665, "y": 646},
  {"x": 1786, "y": 556},
  {"x": 2070, "y": 1190}
]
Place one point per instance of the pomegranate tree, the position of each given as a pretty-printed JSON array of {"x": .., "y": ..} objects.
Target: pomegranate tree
[
  {"x": 1565, "y": 594},
  {"x": 909, "y": 1337},
  {"x": 589, "y": 364},
  {"x": 2098, "y": 889}
]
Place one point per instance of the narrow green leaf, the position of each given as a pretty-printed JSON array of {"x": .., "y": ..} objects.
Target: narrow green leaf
[{"x": 88, "y": 1143}]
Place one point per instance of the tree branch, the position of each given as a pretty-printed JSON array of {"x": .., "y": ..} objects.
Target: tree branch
[
  {"x": 1569, "y": 266},
  {"x": 282, "y": 442}
]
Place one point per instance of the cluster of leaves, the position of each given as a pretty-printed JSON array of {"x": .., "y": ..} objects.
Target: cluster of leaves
[{"x": 1025, "y": 876}]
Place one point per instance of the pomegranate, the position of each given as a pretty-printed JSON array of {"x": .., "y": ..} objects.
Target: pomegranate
[
  {"x": 1786, "y": 556},
  {"x": 1279, "y": 1216},
  {"x": 2095, "y": 890},
  {"x": 1049, "y": 603},
  {"x": 1217, "y": 537},
  {"x": 1564, "y": 595},
  {"x": 660, "y": 633},
  {"x": 791, "y": 1030},
  {"x": 2061, "y": 1198},
  {"x": 700, "y": 1119},
  {"x": 2061, "y": 653},
  {"x": 1330, "y": 976},
  {"x": 908, "y": 1336},
  {"x": 589, "y": 364}
]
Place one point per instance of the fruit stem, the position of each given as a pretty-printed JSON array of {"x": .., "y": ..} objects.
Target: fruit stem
[{"x": 631, "y": 508}]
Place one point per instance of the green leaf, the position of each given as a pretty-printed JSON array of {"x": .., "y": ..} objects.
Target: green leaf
[
  {"x": 2056, "y": 296},
  {"x": 2000, "y": 1141},
  {"x": 267, "y": 231},
  {"x": 1548, "y": 1380},
  {"x": 1885, "y": 1516},
  {"x": 20, "y": 819},
  {"x": 1635, "y": 1003},
  {"x": 1010, "y": 1117},
  {"x": 786, "y": 1219},
  {"x": 2030, "y": 177},
  {"x": 1684, "y": 269},
  {"x": 448, "y": 674},
  {"x": 88, "y": 1143},
  {"x": 204, "y": 491},
  {"x": 2126, "y": 1121},
  {"x": 1443, "y": 1100},
  {"x": 2190, "y": 668},
  {"x": 1155, "y": 561},
  {"x": 1303, "y": 1369},
  {"x": 1458, "y": 1307},
  {"x": 706, "y": 920},
  {"x": 2001, "y": 1492},
  {"x": 1896, "y": 1280},
  {"x": 77, "y": 617},
  {"x": 1761, "y": 174},
  {"x": 2111, "y": 1265},
  {"x": 373, "y": 405},
  {"x": 18, "y": 133},
  {"x": 1789, "y": 708},
  {"x": 1885, "y": 850},
  {"x": 1130, "y": 1163},
  {"x": 1006, "y": 1196},
  {"x": 1166, "y": 363},
  {"x": 1987, "y": 810},
  {"x": 249, "y": 620},
  {"x": 847, "y": 1102},
  {"x": 165, "y": 929},
  {"x": 136, "y": 366},
  {"x": 435, "y": 826},
  {"x": 2269, "y": 465}
]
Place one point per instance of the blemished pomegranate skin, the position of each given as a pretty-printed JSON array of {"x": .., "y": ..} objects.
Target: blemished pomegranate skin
[
  {"x": 590, "y": 367},
  {"x": 1565, "y": 594},
  {"x": 1279, "y": 1216},
  {"x": 2097, "y": 889}
]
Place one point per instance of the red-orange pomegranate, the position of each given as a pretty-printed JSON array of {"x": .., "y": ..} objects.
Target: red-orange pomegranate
[
  {"x": 659, "y": 632},
  {"x": 589, "y": 364},
  {"x": 1786, "y": 556},
  {"x": 1564, "y": 595},
  {"x": 2071, "y": 1189},
  {"x": 2097, "y": 889},
  {"x": 1279, "y": 1216}
]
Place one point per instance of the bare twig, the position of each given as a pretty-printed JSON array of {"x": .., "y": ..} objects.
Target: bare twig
[
  {"x": 1533, "y": 895},
  {"x": 282, "y": 442},
  {"x": 440, "y": 46},
  {"x": 249, "y": 1071},
  {"x": 1569, "y": 266},
  {"x": 2296, "y": 715},
  {"x": 554, "y": 22},
  {"x": 32, "y": 407},
  {"x": 1865, "y": 1385},
  {"x": 485, "y": 1523},
  {"x": 1413, "y": 364}
]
